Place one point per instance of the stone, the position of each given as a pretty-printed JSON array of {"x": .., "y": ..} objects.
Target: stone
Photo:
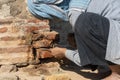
[
  {"x": 7, "y": 76},
  {"x": 6, "y": 21},
  {"x": 6, "y": 1},
  {"x": 5, "y": 11},
  {"x": 3, "y": 30},
  {"x": 8, "y": 68},
  {"x": 15, "y": 49},
  {"x": 42, "y": 43},
  {"x": 15, "y": 58},
  {"x": 62, "y": 76}
]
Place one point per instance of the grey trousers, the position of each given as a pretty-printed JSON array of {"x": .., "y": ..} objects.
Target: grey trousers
[{"x": 91, "y": 35}]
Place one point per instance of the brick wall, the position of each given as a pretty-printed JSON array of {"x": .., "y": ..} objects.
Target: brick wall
[
  {"x": 15, "y": 39},
  {"x": 16, "y": 27}
]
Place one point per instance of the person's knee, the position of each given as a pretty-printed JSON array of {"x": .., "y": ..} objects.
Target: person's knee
[{"x": 82, "y": 22}]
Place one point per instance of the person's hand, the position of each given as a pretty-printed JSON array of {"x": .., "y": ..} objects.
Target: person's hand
[{"x": 58, "y": 52}]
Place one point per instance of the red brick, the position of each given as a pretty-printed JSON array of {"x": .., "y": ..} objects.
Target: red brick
[
  {"x": 51, "y": 35},
  {"x": 33, "y": 21},
  {"x": 31, "y": 28},
  {"x": 7, "y": 38},
  {"x": 14, "y": 58},
  {"x": 6, "y": 21},
  {"x": 15, "y": 49},
  {"x": 36, "y": 21},
  {"x": 34, "y": 28},
  {"x": 10, "y": 38},
  {"x": 45, "y": 35},
  {"x": 3, "y": 30}
]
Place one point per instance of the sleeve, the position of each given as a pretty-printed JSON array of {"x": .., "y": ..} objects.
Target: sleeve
[
  {"x": 76, "y": 7},
  {"x": 48, "y": 1},
  {"x": 80, "y": 4},
  {"x": 73, "y": 56},
  {"x": 72, "y": 16}
]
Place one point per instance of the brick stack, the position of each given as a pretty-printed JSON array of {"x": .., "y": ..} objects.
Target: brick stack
[
  {"x": 15, "y": 39},
  {"x": 43, "y": 41}
]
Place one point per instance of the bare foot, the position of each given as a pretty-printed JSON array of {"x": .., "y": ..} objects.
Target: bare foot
[{"x": 113, "y": 76}]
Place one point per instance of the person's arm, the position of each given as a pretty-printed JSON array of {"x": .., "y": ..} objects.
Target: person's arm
[
  {"x": 73, "y": 56},
  {"x": 48, "y": 1},
  {"x": 73, "y": 15}
]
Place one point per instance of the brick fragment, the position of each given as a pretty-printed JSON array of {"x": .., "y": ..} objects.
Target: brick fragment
[
  {"x": 46, "y": 35},
  {"x": 11, "y": 38},
  {"x": 34, "y": 28},
  {"x": 42, "y": 43},
  {"x": 17, "y": 49},
  {"x": 6, "y": 21},
  {"x": 3, "y": 30},
  {"x": 37, "y": 21},
  {"x": 7, "y": 38},
  {"x": 14, "y": 58}
]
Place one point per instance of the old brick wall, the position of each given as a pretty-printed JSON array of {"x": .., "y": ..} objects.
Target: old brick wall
[
  {"x": 18, "y": 57},
  {"x": 16, "y": 27},
  {"x": 15, "y": 39}
]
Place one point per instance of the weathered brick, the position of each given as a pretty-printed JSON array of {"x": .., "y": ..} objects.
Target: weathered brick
[
  {"x": 12, "y": 43},
  {"x": 42, "y": 43},
  {"x": 17, "y": 49},
  {"x": 7, "y": 38},
  {"x": 11, "y": 38},
  {"x": 46, "y": 35},
  {"x": 6, "y": 21},
  {"x": 14, "y": 58},
  {"x": 37, "y": 21},
  {"x": 34, "y": 28},
  {"x": 3, "y": 30}
]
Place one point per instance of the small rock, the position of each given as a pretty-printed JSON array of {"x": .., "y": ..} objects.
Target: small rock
[
  {"x": 22, "y": 64},
  {"x": 8, "y": 77},
  {"x": 58, "y": 77},
  {"x": 8, "y": 68}
]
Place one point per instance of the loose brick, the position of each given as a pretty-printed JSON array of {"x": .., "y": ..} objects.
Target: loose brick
[
  {"x": 46, "y": 35},
  {"x": 42, "y": 43},
  {"x": 3, "y": 30}
]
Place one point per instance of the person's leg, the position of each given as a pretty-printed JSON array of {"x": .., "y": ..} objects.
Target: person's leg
[{"x": 91, "y": 34}]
